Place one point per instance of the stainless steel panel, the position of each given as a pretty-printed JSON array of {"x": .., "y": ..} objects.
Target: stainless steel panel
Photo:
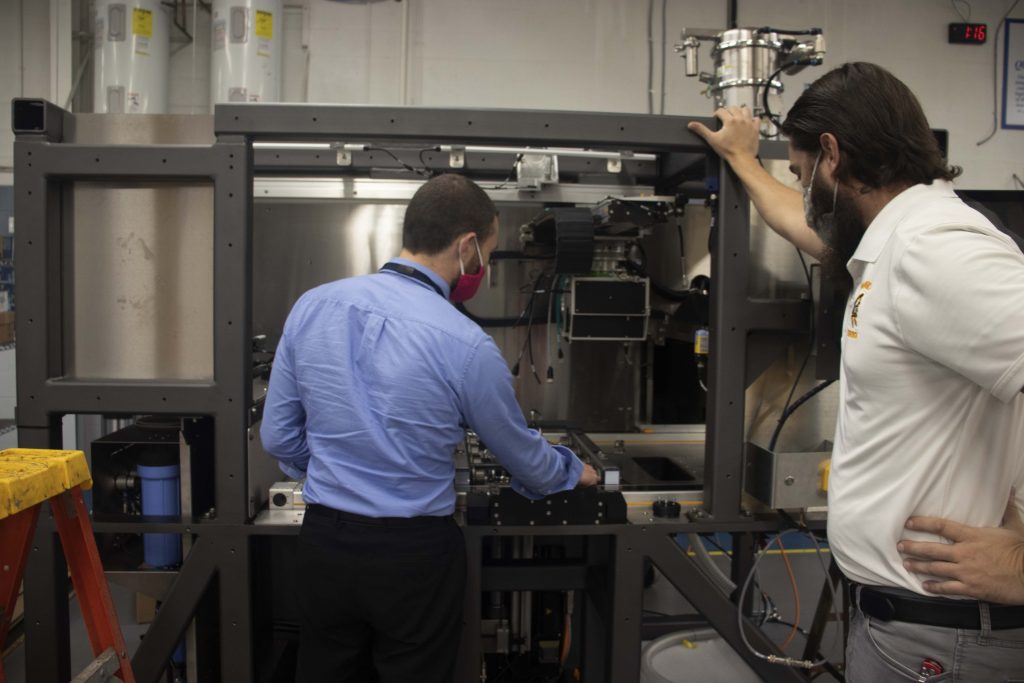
[
  {"x": 140, "y": 129},
  {"x": 142, "y": 286},
  {"x": 786, "y": 481},
  {"x": 680, "y": 445},
  {"x": 809, "y": 426},
  {"x": 299, "y": 244},
  {"x": 775, "y": 270},
  {"x": 142, "y": 253}
]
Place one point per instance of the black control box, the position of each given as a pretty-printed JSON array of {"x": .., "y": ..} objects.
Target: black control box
[{"x": 585, "y": 506}]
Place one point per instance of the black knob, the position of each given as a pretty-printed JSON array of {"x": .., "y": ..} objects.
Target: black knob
[
  {"x": 666, "y": 508},
  {"x": 279, "y": 500}
]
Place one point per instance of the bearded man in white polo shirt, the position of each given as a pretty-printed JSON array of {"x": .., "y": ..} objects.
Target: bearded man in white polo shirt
[{"x": 931, "y": 418}]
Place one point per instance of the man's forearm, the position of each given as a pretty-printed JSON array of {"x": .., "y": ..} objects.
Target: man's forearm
[{"x": 781, "y": 207}]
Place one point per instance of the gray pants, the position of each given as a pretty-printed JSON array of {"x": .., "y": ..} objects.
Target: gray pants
[{"x": 880, "y": 651}]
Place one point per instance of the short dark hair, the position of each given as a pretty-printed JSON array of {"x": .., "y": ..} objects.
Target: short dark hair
[
  {"x": 882, "y": 131},
  {"x": 444, "y": 208}
]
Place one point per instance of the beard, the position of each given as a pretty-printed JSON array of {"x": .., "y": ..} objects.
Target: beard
[{"x": 840, "y": 229}]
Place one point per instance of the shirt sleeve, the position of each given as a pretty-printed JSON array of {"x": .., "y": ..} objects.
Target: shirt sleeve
[
  {"x": 283, "y": 429},
  {"x": 490, "y": 408},
  {"x": 960, "y": 302}
]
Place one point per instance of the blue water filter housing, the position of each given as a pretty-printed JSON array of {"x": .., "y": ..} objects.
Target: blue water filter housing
[{"x": 161, "y": 485}]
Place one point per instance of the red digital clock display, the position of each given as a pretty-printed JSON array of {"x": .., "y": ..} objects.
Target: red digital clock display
[{"x": 973, "y": 34}]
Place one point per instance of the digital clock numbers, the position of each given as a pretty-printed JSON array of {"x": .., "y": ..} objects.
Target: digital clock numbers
[{"x": 971, "y": 34}]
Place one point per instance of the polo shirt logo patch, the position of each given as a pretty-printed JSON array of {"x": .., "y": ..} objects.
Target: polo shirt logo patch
[{"x": 851, "y": 331}]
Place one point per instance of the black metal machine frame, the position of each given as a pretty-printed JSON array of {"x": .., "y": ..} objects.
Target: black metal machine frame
[{"x": 222, "y": 551}]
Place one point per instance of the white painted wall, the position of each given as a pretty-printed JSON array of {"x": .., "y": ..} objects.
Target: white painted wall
[
  {"x": 561, "y": 54},
  {"x": 592, "y": 55},
  {"x": 24, "y": 66}
]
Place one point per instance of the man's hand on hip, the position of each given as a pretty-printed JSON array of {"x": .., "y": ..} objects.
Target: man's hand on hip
[
  {"x": 984, "y": 563},
  {"x": 588, "y": 477}
]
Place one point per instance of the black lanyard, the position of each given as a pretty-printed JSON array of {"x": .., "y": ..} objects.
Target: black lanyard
[{"x": 403, "y": 269}]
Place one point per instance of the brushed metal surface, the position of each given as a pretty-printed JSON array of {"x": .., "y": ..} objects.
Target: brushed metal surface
[
  {"x": 806, "y": 428},
  {"x": 299, "y": 244},
  {"x": 141, "y": 290},
  {"x": 142, "y": 284},
  {"x": 140, "y": 129},
  {"x": 775, "y": 270}
]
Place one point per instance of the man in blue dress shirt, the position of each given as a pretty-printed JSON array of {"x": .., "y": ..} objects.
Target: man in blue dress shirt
[{"x": 374, "y": 380}]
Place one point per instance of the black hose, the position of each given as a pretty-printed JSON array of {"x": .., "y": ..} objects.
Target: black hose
[
  {"x": 674, "y": 294},
  {"x": 535, "y": 317},
  {"x": 792, "y": 409},
  {"x": 506, "y": 255},
  {"x": 801, "y": 32},
  {"x": 667, "y": 292}
]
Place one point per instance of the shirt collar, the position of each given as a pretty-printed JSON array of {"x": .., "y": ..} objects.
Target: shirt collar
[
  {"x": 892, "y": 214},
  {"x": 434, "y": 277}
]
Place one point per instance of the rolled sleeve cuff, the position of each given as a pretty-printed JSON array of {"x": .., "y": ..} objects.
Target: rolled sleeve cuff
[
  {"x": 573, "y": 467},
  {"x": 1011, "y": 383},
  {"x": 292, "y": 471}
]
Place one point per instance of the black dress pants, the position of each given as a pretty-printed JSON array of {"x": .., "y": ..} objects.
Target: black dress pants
[{"x": 380, "y": 599}]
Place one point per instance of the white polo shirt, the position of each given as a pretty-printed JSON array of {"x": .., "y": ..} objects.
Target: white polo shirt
[{"x": 931, "y": 418}]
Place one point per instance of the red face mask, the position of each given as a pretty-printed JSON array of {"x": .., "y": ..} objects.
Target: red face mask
[{"x": 467, "y": 285}]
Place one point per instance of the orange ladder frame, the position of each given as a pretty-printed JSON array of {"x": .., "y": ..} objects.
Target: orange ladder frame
[{"x": 18, "y": 519}]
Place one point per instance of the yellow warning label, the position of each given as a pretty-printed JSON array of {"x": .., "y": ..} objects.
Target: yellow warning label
[
  {"x": 142, "y": 22},
  {"x": 264, "y": 25}
]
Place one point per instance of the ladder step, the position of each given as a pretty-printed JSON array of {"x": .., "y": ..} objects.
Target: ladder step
[
  {"x": 100, "y": 669},
  {"x": 30, "y": 476}
]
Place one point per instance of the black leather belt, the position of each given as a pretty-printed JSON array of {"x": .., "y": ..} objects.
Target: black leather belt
[
  {"x": 894, "y": 604},
  {"x": 318, "y": 510}
]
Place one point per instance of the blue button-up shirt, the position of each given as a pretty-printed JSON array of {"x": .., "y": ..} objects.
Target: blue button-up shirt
[{"x": 373, "y": 381}]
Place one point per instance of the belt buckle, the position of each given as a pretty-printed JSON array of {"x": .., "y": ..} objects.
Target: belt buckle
[{"x": 877, "y": 605}]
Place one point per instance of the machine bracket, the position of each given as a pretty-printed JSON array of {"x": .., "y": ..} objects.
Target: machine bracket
[{"x": 457, "y": 157}]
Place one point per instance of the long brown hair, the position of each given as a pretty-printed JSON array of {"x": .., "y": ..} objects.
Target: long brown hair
[{"x": 879, "y": 124}]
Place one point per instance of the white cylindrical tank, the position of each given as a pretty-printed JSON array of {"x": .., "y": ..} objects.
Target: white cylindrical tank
[
  {"x": 132, "y": 45},
  {"x": 674, "y": 657},
  {"x": 245, "y": 63}
]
